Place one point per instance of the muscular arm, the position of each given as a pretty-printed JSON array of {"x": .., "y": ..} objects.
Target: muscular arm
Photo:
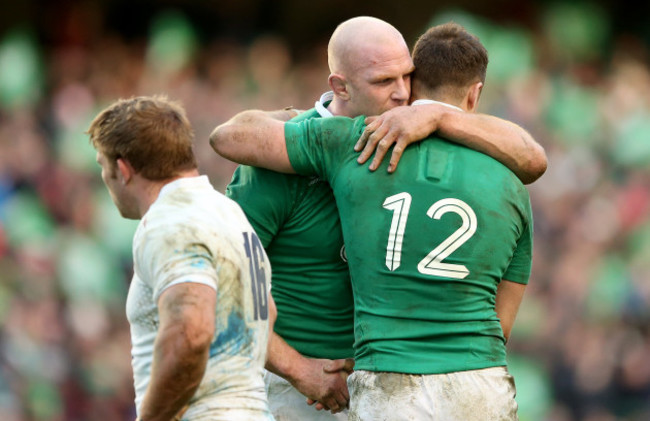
[
  {"x": 320, "y": 380},
  {"x": 509, "y": 296},
  {"x": 255, "y": 138},
  {"x": 505, "y": 141},
  {"x": 181, "y": 349}
]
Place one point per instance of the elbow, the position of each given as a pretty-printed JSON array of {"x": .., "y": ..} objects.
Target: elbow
[
  {"x": 536, "y": 167},
  {"x": 198, "y": 347},
  {"x": 217, "y": 139},
  {"x": 197, "y": 339}
]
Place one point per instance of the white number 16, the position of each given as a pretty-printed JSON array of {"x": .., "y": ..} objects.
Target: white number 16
[{"x": 432, "y": 264}]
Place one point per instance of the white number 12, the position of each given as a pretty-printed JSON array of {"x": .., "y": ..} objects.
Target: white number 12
[{"x": 432, "y": 264}]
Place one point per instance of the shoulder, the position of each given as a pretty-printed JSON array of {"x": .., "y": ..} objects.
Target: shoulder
[
  {"x": 341, "y": 123},
  {"x": 331, "y": 129},
  {"x": 263, "y": 184},
  {"x": 245, "y": 174},
  {"x": 309, "y": 114}
]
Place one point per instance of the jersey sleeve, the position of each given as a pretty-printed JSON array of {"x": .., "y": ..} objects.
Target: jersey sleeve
[
  {"x": 266, "y": 198},
  {"x": 520, "y": 266},
  {"x": 169, "y": 257},
  {"x": 319, "y": 146}
]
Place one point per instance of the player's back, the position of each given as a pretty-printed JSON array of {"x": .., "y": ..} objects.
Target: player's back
[
  {"x": 190, "y": 220},
  {"x": 427, "y": 247}
]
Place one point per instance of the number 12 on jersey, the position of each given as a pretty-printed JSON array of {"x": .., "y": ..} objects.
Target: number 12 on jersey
[
  {"x": 432, "y": 264},
  {"x": 255, "y": 254}
]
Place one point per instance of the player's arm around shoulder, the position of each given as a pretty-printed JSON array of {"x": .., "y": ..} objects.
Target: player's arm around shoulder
[
  {"x": 503, "y": 140},
  {"x": 181, "y": 350},
  {"x": 254, "y": 138}
]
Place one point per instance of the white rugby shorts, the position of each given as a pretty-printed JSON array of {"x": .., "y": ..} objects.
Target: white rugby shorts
[{"x": 475, "y": 395}]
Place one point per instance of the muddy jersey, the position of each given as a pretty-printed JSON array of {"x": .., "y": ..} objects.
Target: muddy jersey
[
  {"x": 298, "y": 223},
  {"x": 427, "y": 246},
  {"x": 192, "y": 233}
]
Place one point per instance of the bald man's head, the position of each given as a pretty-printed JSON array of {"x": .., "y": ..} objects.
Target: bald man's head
[
  {"x": 370, "y": 66},
  {"x": 357, "y": 38}
]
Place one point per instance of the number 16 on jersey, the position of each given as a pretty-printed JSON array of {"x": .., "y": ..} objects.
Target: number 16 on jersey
[{"x": 255, "y": 254}]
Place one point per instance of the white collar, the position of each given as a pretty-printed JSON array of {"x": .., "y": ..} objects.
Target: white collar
[
  {"x": 430, "y": 101},
  {"x": 320, "y": 107},
  {"x": 183, "y": 181},
  {"x": 329, "y": 96}
]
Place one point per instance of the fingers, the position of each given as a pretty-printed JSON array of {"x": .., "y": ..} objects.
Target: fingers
[
  {"x": 342, "y": 364},
  {"x": 342, "y": 402},
  {"x": 333, "y": 366},
  {"x": 362, "y": 141},
  {"x": 345, "y": 395},
  {"x": 398, "y": 150},
  {"x": 371, "y": 143},
  {"x": 370, "y": 127},
  {"x": 318, "y": 407},
  {"x": 334, "y": 395},
  {"x": 336, "y": 400},
  {"x": 382, "y": 148},
  {"x": 349, "y": 365},
  {"x": 335, "y": 404}
]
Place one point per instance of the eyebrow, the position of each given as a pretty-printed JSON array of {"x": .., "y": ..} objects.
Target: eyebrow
[{"x": 385, "y": 76}]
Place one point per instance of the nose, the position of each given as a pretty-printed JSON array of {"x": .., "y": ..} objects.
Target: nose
[{"x": 402, "y": 90}]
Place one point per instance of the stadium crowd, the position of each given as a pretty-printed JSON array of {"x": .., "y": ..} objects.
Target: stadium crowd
[{"x": 580, "y": 344}]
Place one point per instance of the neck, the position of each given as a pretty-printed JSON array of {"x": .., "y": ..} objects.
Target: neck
[
  {"x": 338, "y": 107},
  {"x": 442, "y": 98},
  {"x": 149, "y": 190}
]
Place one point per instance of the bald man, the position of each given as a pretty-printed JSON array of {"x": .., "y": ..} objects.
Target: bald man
[
  {"x": 370, "y": 68},
  {"x": 297, "y": 220}
]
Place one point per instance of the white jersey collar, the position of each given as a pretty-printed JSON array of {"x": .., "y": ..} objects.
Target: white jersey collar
[
  {"x": 183, "y": 181},
  {"x": 430, "y": 101},
  {"x": 329, "y": 96},
  {"x": 320, "y": 104}
]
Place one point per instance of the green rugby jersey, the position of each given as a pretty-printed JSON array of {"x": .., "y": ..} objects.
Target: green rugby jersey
[
  {"x": 297, "y": 221},
  {"x": 427, "y": 246}
]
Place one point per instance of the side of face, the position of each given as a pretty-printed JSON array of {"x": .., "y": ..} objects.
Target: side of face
[
  {"x": 381, "y": 81},
  {"x": 118, "y": 191}
]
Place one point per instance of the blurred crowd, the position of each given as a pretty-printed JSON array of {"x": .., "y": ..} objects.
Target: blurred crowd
[{"x": 580, "y": 347}]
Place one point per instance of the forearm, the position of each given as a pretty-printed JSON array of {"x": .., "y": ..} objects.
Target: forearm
[
  {"x": 320, "y": 380},
  {"x": 176, "y": 373},
  {"x": 505, "y": 141},
  {"x": 283, "y": 360},
  {"x": 508, "y": 298},
  {"x": 254, "y": 138}
]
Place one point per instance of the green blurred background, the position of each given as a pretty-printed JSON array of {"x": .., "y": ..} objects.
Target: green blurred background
[{"x": 575, "y": 74}]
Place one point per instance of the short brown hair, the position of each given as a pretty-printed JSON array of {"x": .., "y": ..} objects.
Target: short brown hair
[
  {"x": 152, "y": 133},
  {"x": 448, "y": 56}
]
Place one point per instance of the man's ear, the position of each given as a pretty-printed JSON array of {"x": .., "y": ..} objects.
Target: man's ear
[
  {"x": 339, "y": 86},
  {"x": 124, "y": 171},
  {"x": 473, "y": 95}
]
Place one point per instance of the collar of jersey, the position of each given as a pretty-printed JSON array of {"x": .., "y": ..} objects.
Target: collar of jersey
[
  {"x": 183, "y": 181},
  {"x": 430, "y": 101},
  {"x": 322, "y": 103}
]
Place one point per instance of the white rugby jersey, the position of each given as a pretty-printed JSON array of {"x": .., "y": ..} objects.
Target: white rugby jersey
[{"x": 192, "y": 233}]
